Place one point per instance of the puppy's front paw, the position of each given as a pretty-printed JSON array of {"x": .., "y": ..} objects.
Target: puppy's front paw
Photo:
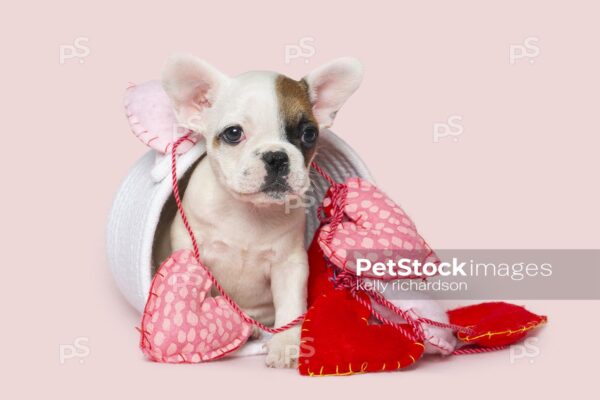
[
  {"x": 283, "y": 349},
  {"x": 438, "y": 340}
]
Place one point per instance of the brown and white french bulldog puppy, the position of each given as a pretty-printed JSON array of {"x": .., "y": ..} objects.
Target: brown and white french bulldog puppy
[{"x": 261, "y": 131}]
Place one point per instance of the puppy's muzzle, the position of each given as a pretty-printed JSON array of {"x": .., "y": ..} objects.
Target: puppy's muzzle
[{"x": 277, "y": 166}]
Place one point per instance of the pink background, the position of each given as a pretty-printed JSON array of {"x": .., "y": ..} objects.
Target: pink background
[{"x": 523, "y": 174}]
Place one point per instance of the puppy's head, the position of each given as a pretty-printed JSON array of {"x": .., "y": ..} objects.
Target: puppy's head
[{"x": 261, "y": 128}]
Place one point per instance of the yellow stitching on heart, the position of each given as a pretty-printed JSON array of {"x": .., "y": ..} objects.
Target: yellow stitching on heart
[{"x": 508, "y": 332}]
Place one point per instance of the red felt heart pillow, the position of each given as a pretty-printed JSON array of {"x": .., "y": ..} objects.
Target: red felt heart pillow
[
  {"x": 495, "y": 323},
  {"x": 339, "y": 339},
  {"x": 374, "y": 227}
]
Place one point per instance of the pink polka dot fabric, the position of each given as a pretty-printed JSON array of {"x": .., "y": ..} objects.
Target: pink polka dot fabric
[
  {"x": 375, "y": 228},
  {"x": 180, "y": 323}
]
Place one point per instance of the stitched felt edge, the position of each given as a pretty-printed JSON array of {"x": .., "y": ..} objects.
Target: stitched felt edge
[
  {"x": 508, "y": 332},
  {"x": 325, "y": 370}
]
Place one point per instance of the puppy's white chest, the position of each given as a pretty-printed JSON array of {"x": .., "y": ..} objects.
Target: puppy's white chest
[
  {"x": 237, "y": 246},
  {"x": 240, "y": 255}
]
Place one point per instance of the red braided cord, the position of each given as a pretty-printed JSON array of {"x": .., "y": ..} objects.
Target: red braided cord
[
  {"x": 367, "y": 303},
  {"x": 477, "y": 350},
  {"x": 404, "y": 314},
  {"x": 338, "y": 202},
  {"x": 323, "y": 173},
  {"x": 229, "y": 300},
  {"x": 417, "y": 328},
  {"x": 420, "y": 335},
  {"x": 457, "y": 328},
  {"x": 338, "y": 193},
  {"x": 332, "y": 183},
  {"x": 347, "y": 280},
  {"x": 416, "y": 324}
]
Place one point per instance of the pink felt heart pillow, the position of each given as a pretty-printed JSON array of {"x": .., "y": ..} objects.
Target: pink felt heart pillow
[
  {"x": 180, "y": 323},
  {"x": 152, "y": 119},
  {"x": 374, "y": 227}
]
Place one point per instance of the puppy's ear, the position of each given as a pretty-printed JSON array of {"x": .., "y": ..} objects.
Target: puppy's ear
[
  {"x": 193, "y": 85},
  {"x": 330, "y": 85}
]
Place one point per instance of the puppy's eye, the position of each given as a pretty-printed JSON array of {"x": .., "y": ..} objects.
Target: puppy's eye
[
  {"x": 233, "y": 135},
  {"x": 309, "y": 135}
]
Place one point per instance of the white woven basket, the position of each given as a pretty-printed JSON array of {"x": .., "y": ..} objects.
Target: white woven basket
[{"x": 142, "y": 198}]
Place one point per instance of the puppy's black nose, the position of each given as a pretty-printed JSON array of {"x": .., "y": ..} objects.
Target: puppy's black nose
[{"x": 277, "y": 162}]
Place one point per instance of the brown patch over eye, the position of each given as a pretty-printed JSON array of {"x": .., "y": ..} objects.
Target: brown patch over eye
[{"x": 295, "y": 111}]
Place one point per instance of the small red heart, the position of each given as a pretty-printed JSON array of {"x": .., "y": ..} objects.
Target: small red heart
[
  {"x": 338, "y": 339},
  {"x": 495, "y": 323},
  {"x": 180, "y": 323}
]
